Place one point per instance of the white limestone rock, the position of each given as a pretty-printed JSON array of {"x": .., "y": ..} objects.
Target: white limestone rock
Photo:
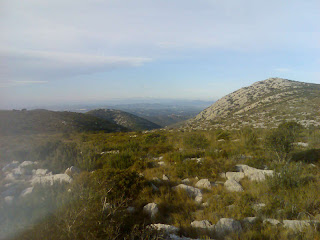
[
  {"x": 237, "y": 176},
  {"x": 300, "y": 225},
  {"x": 10, "y": 166},
  {"x": 227, "y": 225},
  {"x": 204, "y": 224},
  {"x": 258, "y": 206},
  {"x": 41, "y": 172},
  {"x": 186, "y": 181},
  {"x": 27, "y": 164},
  {"x": 254, "y": 174},
  {"x": 26, "y": 192},
  {"x": 60, "y": 178},
  {"x": 191, "y": 191},
  {"x": 165, "y": 228},
  {"x": 271, "y": 221},
  {"x": 165, "y": 177},
  {"x": 151, "y": 209},
  {"x": 233, "y": 186},
  {"x": 72, "y": 171},
  {"x": 203, "y": 183}
]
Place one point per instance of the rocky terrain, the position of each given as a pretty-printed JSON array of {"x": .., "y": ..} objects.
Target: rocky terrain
[
  {"x": 263, "y": 104},
  {"x": 124, "y": 119}
]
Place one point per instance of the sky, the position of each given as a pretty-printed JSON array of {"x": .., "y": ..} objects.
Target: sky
[{"x": 63, "y": 51}]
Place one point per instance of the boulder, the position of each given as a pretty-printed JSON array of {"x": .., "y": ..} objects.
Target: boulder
[
  {"x": 204, "y": 224},
  {"x": 227, "y": 225},
  {"x": 300, "y": 225},
  {"x": 26, "y": 192},
  {"x": 161, "y": 163},
  {"x": 203, "y": 183},
  {"x": 254, "y": 174},
  {"x": 165, "y": 177},
  {"x": 26, "y": 164},
  {"x": 271, "y": 221},
  {"x": 72, "y": 171},
  {"x": 40, "y": 172},
  {"x": 191, "y": 191},
  {"x": 61, "y": 178},
  {"x": 186, "y": 181},
  {"x": 165, "y": 228},
  {"x": 233, "y": 186},
  {"x": 237, "y": 176},
  {"x": 10, "y": 166},
  {"x": 258, "y": 206},
  {"x": 151, "y": 209}
]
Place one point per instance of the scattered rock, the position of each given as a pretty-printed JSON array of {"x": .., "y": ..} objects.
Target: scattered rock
[
  {"x": 161, "y": 163},
  {"x": 72, "y": 171},
  {"x": 26, "y": 164},
  {"x": 271, "y": 221},
  {"x": 191, "y": 191},
  {"x": 254, "y": 174},
  {"x": 41, "y": 172},
  {"x": 237, "y": 176},
  {"x": 10, "y": 166},
  {"x": 51, "y": 179},
  {"x": 222, "y": 175},
  {"x": 151, "y": 209},
  {"x": 227, "y": 225},
  {"x": 203, "y": 183},
  {"x": 26, "y": 192},
  {"x": 165, "y": 177},
  {"x": 258, "y": 206},
  {"x": 185, "y": 181},
  {"x": 204, "y": 224},
  {"x": 165, "y": 228},
  {"x": 233, "y": 186},
  {"x": 300, "y": 225}
]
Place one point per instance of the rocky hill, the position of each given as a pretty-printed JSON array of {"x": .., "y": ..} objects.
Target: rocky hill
[
  {"x": 264, "y": 104},
  {"x": 44, "y": 121},
  {"x": 124, "y": 119}
]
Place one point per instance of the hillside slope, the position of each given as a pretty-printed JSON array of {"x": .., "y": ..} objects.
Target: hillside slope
[
  {"x": 264, "y": 104},
  {"x": 44, "y": 121},
  {"x": 124, "y": 119}
]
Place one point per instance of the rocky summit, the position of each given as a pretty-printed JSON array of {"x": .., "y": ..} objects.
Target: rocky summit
[{"x": 263, "y": 104}]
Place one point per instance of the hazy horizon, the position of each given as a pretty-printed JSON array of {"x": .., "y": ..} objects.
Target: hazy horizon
[{"x": 59, "y": 52}]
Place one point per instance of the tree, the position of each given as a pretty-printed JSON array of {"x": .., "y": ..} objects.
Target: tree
[{"x": 280, "y": 140}]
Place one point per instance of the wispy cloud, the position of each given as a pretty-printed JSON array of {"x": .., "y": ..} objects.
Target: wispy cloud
[
  {"x": 4, "y": 84},
  {"x": 21, "y": 66}
]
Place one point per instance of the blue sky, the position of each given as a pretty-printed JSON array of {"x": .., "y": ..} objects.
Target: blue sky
[{"x": 63, "y": 51}]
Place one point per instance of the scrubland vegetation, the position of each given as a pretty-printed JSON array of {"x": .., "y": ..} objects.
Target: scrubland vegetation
[{"x": 122, "y": 172}]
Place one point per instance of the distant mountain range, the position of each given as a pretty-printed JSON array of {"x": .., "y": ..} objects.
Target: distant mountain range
[
  {"x": 124, "y": 119},
  {"x": 263, "y": 104},
  {"x": 44, "y": 121}
]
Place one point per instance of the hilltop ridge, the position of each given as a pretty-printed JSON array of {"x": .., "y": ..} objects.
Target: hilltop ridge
[
  {"x": 124, "y": 119},
  {"x": 262, "y": 104}
]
